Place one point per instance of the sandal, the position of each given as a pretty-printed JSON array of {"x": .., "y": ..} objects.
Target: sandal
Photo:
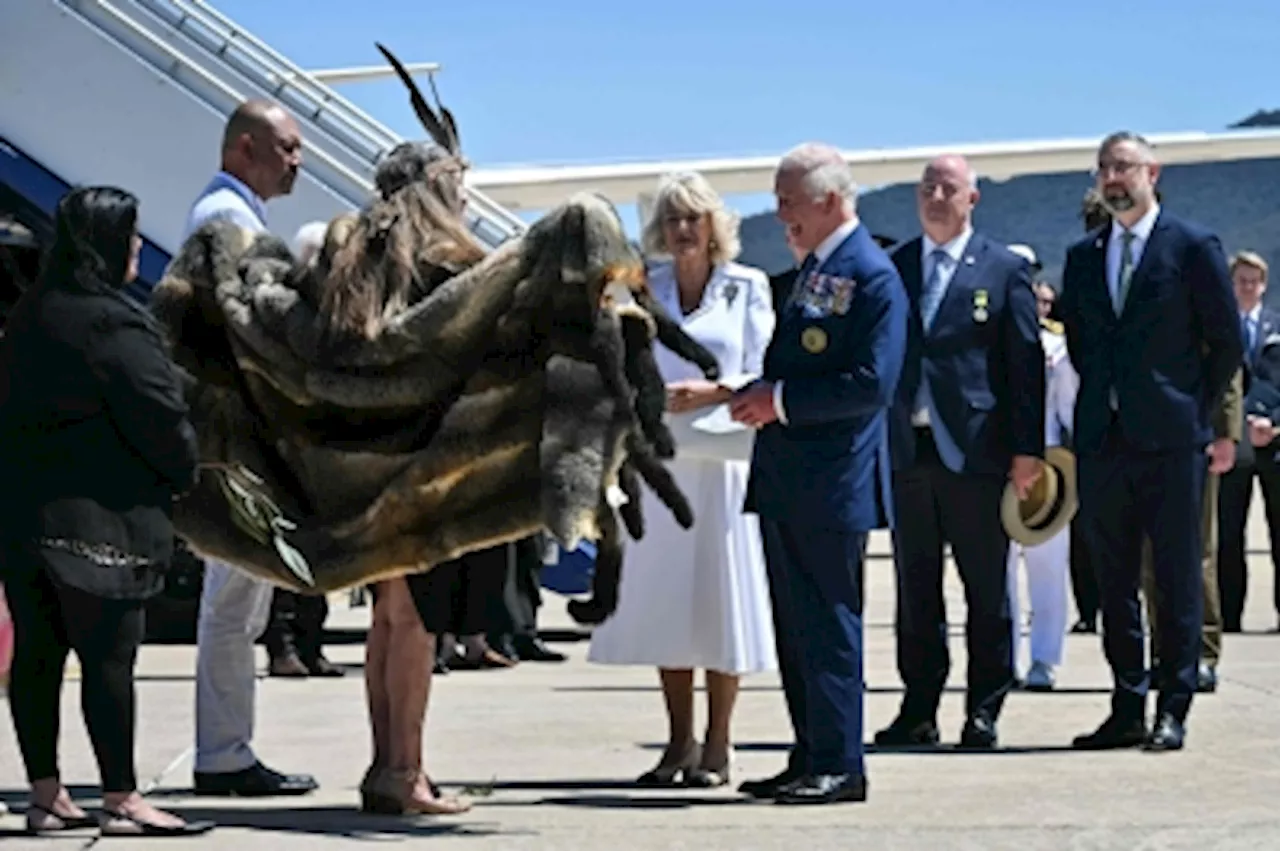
[
  {"x": 120, "y": 824},
  {"x": 62, "y": 822}
]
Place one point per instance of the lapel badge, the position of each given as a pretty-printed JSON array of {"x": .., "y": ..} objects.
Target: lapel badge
[
  {"x": 731, "y": 292},
  {"x": 968, "y": 260},
  {"x": 814, "y": 340},
  {"x": 980, "y": 306}
]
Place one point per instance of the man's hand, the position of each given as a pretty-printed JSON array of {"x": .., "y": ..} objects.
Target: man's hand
[
  {"x": 1261, "y": 431},
  {"x": 1222, "y": 455},
  {"x": 753, "y": 405},
  {"x": 695, "y": 393},
  {"x": 1024, "y": 471}
]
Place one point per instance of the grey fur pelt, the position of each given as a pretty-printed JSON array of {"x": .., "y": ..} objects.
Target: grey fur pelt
[{"x": 497, "y": 406}]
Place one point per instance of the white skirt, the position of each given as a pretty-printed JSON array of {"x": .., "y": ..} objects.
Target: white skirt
[{"x": 696, "y": 598}]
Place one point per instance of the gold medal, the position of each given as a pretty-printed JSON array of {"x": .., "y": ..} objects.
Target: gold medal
[{"x": 814, "y": 340}]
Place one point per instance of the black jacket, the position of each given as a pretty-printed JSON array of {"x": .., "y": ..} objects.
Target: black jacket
[{"x": 94, "y": 440}]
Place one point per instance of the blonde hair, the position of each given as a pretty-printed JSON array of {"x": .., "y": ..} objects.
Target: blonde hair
[
  {"x": 1249, "y": 258},
  {"x": 689, "y": 192}
]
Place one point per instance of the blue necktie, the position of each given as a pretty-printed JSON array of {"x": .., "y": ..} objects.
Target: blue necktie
[
  {"x": 1246, "y": 329},
  {"x": 930, "y": 298}
]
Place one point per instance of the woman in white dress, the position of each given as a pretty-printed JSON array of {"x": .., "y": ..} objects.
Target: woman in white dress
[{"x": 699, "y": 598}]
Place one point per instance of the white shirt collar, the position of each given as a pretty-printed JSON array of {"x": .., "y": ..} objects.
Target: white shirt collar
[
  {"x": 1141, "y": 228},
  {"x": 954, "y": 248},
  {"x": 1255, "y": 314},
  {"x": 828, "y": 246}
]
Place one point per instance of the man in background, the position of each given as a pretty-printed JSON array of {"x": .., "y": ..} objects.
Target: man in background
[{"x": 261, "y": 155}]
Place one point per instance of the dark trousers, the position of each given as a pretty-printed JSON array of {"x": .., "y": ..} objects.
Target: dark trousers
[
  {"x": 1124, "y": 496},
  {"x": 50, "y": 620},
  {"x": 296, "y": 623},
  {"x": 933, "y": 506},
  {"x": 1233, "y": 514},
  {"x": 521, "y": 594},
  {"x": 1084, "y": 576},
  {"x": 816, "y": 589}
]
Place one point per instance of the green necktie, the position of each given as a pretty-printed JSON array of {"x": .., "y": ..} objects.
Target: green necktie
[{"x": 1126, "y": 268}]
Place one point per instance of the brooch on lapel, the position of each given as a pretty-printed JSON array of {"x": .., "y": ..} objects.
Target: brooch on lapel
[
  {"x": 814, "y": 340},
  {"x": 731, "y": 292},
  {"x": 980, "y": 306}
]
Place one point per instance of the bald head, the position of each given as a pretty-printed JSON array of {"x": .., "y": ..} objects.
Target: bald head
[
  {"x": 262, "y": 146},
  {"x": 946, "y": 196}
]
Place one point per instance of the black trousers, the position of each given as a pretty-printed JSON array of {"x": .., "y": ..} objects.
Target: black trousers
[
  {"x": 521, "y": 595},
  {"x": 1126, "y": 494},
  {"x": 296, "y": 623},
  {"x": 1084, "y": 576},
  {"x": 49, "y": 620},
  {"x": 1234, "y": 497},
  {"x": 933, "y": 506}
]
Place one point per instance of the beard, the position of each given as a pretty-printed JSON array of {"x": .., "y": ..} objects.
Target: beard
[{"x": 1119, "y": 200}]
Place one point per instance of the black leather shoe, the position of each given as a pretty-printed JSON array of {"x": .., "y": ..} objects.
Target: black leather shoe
[
  {"x": 1084, "y": 626},
  {"x": 531, "y": 649},
  {"x": 979, "y": 733},
  {"x": 1114, "y": 733},
  {"x": 825, "y": 789},
  {"x": 1206, "y": 679},
  {"x": 902, "y": 734},
  {"x": 770, "y": 787},
  {"x": 256, "y": 781},
  {"x": 1167, "y": 735}
]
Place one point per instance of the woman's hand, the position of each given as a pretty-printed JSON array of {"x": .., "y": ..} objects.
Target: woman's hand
[{"x": 693, "y": 394}]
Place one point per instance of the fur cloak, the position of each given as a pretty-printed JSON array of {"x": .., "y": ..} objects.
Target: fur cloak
[{"x": 518, "y": 396}]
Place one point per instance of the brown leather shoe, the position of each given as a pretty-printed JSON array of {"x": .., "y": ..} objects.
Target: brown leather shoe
[
  {"x": 322, "y": 667},
  {"x": 288, "y": 665}
]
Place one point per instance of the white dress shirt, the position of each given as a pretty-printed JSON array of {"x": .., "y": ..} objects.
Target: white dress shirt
[
  {"x": 1141, "y": 231},
  {"x": 820, "y": 255},
  {"x": 954, "y": 250}
]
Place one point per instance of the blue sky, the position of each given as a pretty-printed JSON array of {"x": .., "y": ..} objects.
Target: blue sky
[{"x": 571, "y": 81}]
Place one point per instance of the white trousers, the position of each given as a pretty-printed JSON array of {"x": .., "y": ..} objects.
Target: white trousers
[
  {"x": 1048, "y": 575},
  {"x": 234, "y": 608}
]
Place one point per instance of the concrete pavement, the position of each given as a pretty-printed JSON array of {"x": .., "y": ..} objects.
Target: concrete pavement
[{"x": 560, "y": 744}]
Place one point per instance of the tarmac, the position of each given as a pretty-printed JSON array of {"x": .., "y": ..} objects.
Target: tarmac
[{"x": 549, "y": 753}]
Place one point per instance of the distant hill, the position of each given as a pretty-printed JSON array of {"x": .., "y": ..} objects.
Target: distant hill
[{"x": 1238, "y": 200}]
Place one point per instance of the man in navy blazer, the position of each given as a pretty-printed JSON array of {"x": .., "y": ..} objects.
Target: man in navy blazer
[
  {"x": 968, "y": 417},
  {"x": 1259, "y": 323},
  {"x": 820, "y": 472},
  {"x": 1153, "y": 331}
]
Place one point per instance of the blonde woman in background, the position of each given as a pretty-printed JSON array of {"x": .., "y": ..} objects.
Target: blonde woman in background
[{"x": 698, "y": 598}]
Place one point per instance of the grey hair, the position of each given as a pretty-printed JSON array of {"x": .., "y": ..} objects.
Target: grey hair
[
  {"x": 308, "y": 241},
  {"x": 824, "y": 168},
  {"x": 690, "y": 192},
  {"x": 1144, "y": 147}
]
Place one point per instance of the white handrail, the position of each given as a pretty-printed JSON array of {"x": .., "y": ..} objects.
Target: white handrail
[
  {"x": 236, "y": 97},
  {"x": 505, "y": 221},
  {"x": 276, "y": 73},
  {"x": 357, "y": 117}
]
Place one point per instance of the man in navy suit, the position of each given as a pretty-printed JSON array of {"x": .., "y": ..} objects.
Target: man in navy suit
[
  {"x": 968, "y": 418},
  {"x": 1255, "y": 453},
  {"x": 1153, "y": 331},
  {"x": 820, "y": 472}
]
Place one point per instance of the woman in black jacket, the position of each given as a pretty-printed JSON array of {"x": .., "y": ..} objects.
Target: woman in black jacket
[{"x": 94, "y": 445}]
